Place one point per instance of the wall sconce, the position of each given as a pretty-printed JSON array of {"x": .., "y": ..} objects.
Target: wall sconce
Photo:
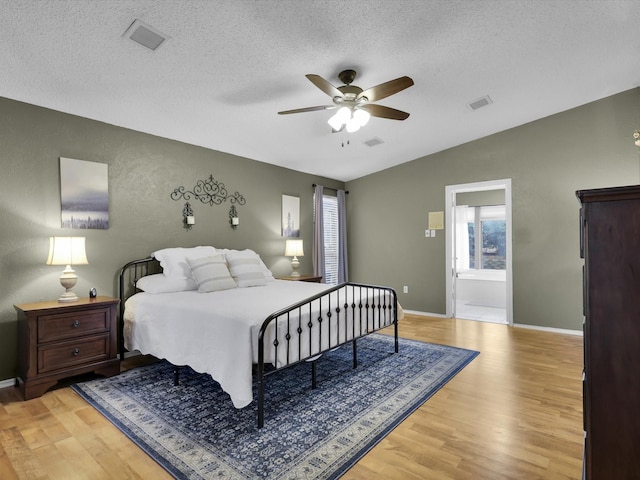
[
  {"x": 234, "y": 220},
  {"x": 208, "y": 191},
  {"x": 293, "y": 248},
  {"x": 67, "y": 251},
  {"x": 187, "y": 217}
]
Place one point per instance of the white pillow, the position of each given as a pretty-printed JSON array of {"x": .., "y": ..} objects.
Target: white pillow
[
  {"x": 174, "y": 260},
  {"x": 211, "y": 273},
  {"x": 268, "y": 275},
  {"x": 246, "y": 270},
  {"x": 158, "y": 283}
]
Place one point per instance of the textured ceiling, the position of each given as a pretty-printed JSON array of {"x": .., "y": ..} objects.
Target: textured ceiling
[{"x": 231, "y": 65}]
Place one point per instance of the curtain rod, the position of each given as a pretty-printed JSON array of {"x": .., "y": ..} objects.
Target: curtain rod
[{"x": 330, "y": 188}]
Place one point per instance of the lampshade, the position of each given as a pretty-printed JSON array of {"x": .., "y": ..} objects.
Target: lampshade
[
  {"x": 67, "y": 251},
  {"x": 361, "y": 116},
  {"x": 353, "y": 125},
  {"x": 341, "y": 117},
  {"x": 293, "y": 248}
]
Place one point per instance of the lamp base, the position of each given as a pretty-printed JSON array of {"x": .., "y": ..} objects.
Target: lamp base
[
  {"x": 67, "y": 297},
  {"x": 68, "y": 280},
  {"x": 295, "y": 264}
]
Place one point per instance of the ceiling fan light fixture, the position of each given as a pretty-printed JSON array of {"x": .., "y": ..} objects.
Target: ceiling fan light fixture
[
  {"x": 341, "y": 117},
  {"x": 336, "y": 123},
  {"x": 361, "y": 116},
  {"x": 343, "y": 114},
  {"x": 353, "y": 125}
]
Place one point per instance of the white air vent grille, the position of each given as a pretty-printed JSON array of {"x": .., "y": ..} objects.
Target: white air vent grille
[
  {"x": 146, "y": 35},
  {"x": 480, "y": 102},
  {"x": 373, "y": 142}
]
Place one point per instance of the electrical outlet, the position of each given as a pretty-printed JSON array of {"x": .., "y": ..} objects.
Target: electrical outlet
[
  {"x": 427, "y": 233},
  {"x": 405, "y": 289},
  {"x": 433, "y": 234}
]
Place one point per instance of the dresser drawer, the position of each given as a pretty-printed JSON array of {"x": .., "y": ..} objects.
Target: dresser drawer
[
  {"x": 57, "y": 340},
  {"x": 74, "y": 352},
  {"x": 72, "y": 325}
]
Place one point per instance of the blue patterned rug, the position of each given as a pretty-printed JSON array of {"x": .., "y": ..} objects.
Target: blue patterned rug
[{"x": 194, "y": 432}]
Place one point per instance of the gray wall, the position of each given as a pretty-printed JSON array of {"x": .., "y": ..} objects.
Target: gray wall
[
  {"x": 483, "y": 197},
  {"x": 547, "y": 160},
  {"x": 143, "y": 171}
]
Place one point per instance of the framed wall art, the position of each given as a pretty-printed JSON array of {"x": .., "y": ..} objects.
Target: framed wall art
[
  {"x": 84, "y": 194},
  {"x": 290, "y": 216}
]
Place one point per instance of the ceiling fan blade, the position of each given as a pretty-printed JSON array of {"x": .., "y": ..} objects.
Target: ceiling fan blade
[
  {"x": 383, "y": 90},
  {"x": 324, "y": 85},
  {"x": 307, "y": 109},
  {"x": 384, "y": 112}
]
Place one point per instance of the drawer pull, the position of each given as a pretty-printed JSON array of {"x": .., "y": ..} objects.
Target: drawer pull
[
  {"x": 75, "y": 324},
  {"x": 76, "y": 351}
]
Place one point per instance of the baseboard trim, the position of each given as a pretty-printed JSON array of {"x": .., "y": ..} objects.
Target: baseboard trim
[
  {"x": 128, "y": 354},
  {"x": 9, "y": 382},
  {"x": 564, "y": 331},
  {"x": 424, "y": 314}
]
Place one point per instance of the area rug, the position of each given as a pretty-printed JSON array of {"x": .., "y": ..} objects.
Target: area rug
[{"x": 194, "y": 432}]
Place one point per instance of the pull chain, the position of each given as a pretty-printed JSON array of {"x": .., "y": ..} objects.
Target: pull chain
[{"x": 343, "y": 139}]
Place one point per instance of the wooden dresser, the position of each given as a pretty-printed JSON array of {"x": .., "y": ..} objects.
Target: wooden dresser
[
  {"x": 59, "y": 340},
  {"x": 610, "y": 246}
]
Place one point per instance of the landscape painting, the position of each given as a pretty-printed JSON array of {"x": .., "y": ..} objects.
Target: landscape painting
[
  {"x": 84, "y": 194},
  {"x": 290, "y": 216}
]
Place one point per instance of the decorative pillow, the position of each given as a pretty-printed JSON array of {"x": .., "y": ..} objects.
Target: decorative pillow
[
  {"x": 211, "y": 273},
  {"x": 268, "y": 275},
  {"x": 174, "y": 260},
  {"x": 246, "y": 270},
  {"x": 158, "y": 283}
]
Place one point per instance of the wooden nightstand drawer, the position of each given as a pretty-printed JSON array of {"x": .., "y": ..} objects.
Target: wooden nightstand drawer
[
  {"x": 59, "y": 340},
  {"x": 61, "y": 326},
  {"x": 67, "y": 354}
]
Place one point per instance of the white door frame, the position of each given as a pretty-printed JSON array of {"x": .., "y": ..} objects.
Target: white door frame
[{"x": 450, "y": 195}]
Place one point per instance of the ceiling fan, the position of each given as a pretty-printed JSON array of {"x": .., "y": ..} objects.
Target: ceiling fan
[{"x": 353, "y": 103}]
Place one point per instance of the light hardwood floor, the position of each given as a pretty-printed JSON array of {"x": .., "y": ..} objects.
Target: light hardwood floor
[{"x": 515, "y": 412}]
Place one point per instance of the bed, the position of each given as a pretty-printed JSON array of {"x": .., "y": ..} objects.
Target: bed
[{"x": 223, "y": 313}]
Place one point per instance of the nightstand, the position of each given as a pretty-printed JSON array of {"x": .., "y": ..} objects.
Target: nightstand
[
  {"x": 59, "y": 340},
  {"x": 302, "y": 278}
]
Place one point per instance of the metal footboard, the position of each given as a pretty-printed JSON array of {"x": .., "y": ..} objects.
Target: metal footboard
[{"x": 307, "y": 329}]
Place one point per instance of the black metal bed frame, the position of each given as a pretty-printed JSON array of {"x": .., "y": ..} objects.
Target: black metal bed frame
[{"x": 367, "y": 308}]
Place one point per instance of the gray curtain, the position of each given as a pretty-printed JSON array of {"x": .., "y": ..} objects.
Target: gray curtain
[
  {"x": 318, "y": 234},
  {"x": 343, "y": 264}
]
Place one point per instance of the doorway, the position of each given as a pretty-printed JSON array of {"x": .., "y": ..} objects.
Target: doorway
[{"x": 478, "y": 251}]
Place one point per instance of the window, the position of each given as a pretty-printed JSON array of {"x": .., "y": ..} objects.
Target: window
[
  {"x": 330, "y": 214},
  {"x": 487, "y": 238}
]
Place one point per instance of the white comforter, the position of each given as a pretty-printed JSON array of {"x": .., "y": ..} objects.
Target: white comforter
[{"x": 214, "y": 333}]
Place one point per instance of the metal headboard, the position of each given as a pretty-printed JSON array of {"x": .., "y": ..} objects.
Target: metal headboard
[{"x": 127, "y": 278}]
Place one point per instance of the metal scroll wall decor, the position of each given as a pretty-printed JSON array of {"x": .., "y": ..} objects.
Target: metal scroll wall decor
[{"x": 211, "y": 192}]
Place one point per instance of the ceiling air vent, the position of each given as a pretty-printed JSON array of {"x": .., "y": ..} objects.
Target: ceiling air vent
[
  {"x": 146, "y": 35},
  {"x": 480, "y": 102},
  {"x": 373, "y": 142}
]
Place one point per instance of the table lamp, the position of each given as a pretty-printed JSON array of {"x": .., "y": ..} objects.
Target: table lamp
[
  {"x": 67, "y": 251},
  {"x": 293, "y": 248}
]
